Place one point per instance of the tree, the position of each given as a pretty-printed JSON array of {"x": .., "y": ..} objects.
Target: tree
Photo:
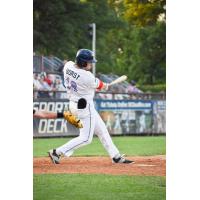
[
  {"x": 139, "y": 53},
  {"x": 141, "y": 44},
  {"x": 140, "y": 12},
  {"x": 60, "y": 26}
]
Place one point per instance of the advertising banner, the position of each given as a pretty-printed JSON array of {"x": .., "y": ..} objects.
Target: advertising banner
[
  {"x": 122, "y": 117},
  {"x": 159, "y": 117},
  {"x": 126, "y": 116}
]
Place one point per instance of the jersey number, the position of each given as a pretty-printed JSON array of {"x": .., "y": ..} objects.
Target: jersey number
[{"x": 71, "y": 85}]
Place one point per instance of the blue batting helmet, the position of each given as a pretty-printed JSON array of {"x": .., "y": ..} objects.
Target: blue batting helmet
[{"x": 84, "y": 56}]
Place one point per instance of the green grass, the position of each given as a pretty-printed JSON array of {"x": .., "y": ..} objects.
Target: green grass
[
  {"x": 98, "y": 187},
  {"x": 150, "y": 145},
  {"x": 101, "y": 187}
]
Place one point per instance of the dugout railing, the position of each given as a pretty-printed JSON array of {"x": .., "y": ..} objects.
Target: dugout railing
[{"x": 43, "y": 94}]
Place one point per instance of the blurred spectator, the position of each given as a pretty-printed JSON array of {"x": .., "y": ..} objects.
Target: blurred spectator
[
  {"x": 36, "y": 85},
  {"x": 105, "y": 96},
  {"x": 36, "y": 82},
  {"x": 117, "y": 92},
  {"x": 133, "y": 89},
  {"x": 47, "y": 78},
  {"x": 44, "y": 84},
  {"x": 60, "y": 87},
  {"x": 44, "y": 87},
  {"x": 109, "y": 96}
]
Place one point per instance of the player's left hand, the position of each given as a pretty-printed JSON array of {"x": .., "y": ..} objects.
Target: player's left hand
[{"x": 72, "y": 119}]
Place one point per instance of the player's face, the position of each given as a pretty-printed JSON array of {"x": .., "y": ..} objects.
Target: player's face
[{"x": 89, "y": 66}]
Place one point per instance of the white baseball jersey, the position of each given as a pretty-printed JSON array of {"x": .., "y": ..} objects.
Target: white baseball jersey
[{"x": 79, "y": 82}]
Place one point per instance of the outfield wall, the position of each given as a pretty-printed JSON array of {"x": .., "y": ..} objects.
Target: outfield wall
[{"x": 122, "y": 117}]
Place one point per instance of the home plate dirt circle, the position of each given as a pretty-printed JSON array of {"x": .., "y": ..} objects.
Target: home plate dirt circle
[{"x": 144, "y": 165}]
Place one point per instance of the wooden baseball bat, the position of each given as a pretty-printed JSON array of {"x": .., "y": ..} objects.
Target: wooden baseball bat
[{"x": 118, "y": 80}]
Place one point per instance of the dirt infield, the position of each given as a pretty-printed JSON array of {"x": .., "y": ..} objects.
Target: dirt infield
[{"x": 144, "y": 165}]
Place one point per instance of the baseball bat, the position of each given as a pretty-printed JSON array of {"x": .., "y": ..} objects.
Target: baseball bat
[{"x": 118, "y": 80}]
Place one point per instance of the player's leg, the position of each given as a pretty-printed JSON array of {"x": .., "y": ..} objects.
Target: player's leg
[
  {"x": 84, "y": 138},
  {"x": 105, "y": 138}
]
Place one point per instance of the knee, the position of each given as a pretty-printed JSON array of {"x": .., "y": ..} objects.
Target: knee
[
  {"x": 89, "y": 141},
  {"x": 86, "y": 140}
]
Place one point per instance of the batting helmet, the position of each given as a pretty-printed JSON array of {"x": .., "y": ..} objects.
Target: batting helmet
[{"x": 83, "y": 57}]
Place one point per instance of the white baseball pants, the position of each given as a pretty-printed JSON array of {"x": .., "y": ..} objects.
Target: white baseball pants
[{"x": 92, "y": 123}]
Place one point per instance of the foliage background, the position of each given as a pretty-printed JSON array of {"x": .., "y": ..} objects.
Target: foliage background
[{"x": 131, "y": 34}]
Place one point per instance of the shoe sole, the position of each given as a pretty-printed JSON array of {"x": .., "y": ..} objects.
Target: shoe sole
[
  {"x": 129, "y": 162},
  {"x": 123, "y": 162},
  {"x": 51, "y": 157}
]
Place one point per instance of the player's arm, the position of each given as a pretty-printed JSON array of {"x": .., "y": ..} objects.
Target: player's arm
[
  {"x": 54, "y": 115},
  {"x": 100, "y": 85},
  {"x": 44, "y": 114},
  {"x": 96, "y": 83}
]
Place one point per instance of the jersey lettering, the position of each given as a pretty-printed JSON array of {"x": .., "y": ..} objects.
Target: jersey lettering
[{"x": 72, "y": 74}]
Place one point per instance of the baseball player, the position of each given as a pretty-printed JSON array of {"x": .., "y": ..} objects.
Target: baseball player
[{"x": 81, "y": 85}]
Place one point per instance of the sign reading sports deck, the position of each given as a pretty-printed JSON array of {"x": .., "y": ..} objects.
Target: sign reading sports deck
[{"x": 52, "y": 127}]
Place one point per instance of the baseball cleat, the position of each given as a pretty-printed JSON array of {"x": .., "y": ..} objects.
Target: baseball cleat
[
  {"x": 121, "y": 159},
  {"x": 55, "y": 158}
]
